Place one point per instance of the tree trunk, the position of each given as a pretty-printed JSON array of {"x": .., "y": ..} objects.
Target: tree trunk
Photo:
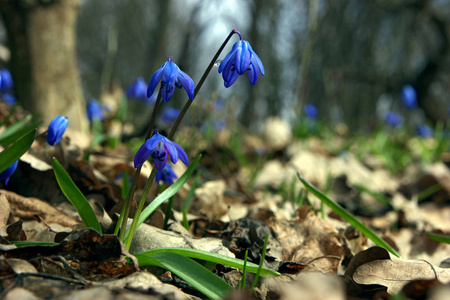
[{"x": 42, "y": 40}]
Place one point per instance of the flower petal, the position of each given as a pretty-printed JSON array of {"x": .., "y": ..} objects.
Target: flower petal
[
  {"x": 160, "y": 163},
  {"x": 141, "y": 156},
  {"x": 229, "y": 75},
  {"x": 228, "y": 57},
  {"x": 242, "y": 59},
  {"x": 170, "y": 148},
  {"x": 260, "y": 64},
  {"x": 156, "y": 78},
  {"x": 187, "y": 83},
  {"x": 181, "y": 154},
  {"x": 253, "y": 71},
  {"x": 152, "y": 142}
]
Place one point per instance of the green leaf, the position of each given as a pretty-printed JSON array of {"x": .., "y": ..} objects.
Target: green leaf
[
  {"x": 16, "y": 150},
  {"x": 439, "y": 237},
  {"x": 169, "y": 192},
  {"x": 209, "y": 256},
  {"x": 32, "y": 243},
  {"x": 190, "y": 271},
  {"x": 14, "y": 127},
  {"x": 76, "y": 197},
  {"x": 15, "y": 135},
  {"x": 348, "y": 217}
]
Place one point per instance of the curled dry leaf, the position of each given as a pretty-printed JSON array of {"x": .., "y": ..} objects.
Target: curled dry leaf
[
  {"x": 29, "y": 207},
  {"x": 376, "y": 266}
]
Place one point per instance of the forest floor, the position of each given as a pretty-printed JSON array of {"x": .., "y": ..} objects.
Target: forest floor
[{"x": 239, "y": 196}]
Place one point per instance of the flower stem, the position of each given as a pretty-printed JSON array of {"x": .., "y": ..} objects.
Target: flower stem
[
  {"x": 171, "y": 134},
  {"x": 199, "y": 85},
  {"x": 122, "y": 223},
  {"x": 147, "y": 187}
]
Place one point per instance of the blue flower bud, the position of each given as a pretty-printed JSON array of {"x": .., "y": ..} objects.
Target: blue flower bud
[
  {"x": 6, "y": 81},
  {"x": 56, "y": 129},
  {"x": 409, "y": 97}
]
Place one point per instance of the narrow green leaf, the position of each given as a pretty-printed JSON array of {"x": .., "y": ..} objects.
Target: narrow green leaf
[
  {"x": 190, "y": 271},
  {"x": 14, "y": 136},
  {"x": 16, "y": 150},
  {"x": 32, "y": 243},
  {"x": 348, "y": 217},
  {"x": 209, "y": 256},
  {"x": 439, "y": 237},
  {"x": 14, "y": 127},
  {"x": 76, "y": 197},
  {"x": 169, "y": 192}
]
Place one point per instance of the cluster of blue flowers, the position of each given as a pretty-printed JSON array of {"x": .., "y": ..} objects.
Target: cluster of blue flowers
[{"x": 241, "y": 59}]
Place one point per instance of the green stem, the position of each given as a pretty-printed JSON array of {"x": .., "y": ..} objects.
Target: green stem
[
  {"x": 147, "y": 187},
  {"x": 122, "y": 223},
  {"x": 170, "y": 136}
]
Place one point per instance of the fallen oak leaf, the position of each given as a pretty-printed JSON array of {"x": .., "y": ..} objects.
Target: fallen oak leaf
[{"x": 395, "y": 273}]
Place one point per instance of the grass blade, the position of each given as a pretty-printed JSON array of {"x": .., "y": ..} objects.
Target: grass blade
[
  {"x": 16, "y": 150},
  {"x": 349, "y": 217},
  {"x": 190, "y": 271},
  {"x": 169, "y": 192},
  {"x": 210, "y": 256},
  {"x": 439, "y": 237},
  {"x": 76, "y": 197}
]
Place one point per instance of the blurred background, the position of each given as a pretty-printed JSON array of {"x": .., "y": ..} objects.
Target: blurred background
[{"x": 349, "y": 58}]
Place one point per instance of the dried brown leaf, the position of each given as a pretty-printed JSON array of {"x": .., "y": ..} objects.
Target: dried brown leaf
[
  {"x": 394, "y": 273},
  {"x": 29, "y": 207}
]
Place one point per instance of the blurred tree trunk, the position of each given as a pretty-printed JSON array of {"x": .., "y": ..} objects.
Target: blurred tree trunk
[{"x": 43, "y": 58}]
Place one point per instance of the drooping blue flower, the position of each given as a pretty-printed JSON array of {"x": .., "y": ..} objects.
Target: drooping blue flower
[
  {"x": 94, "y": 110},
  {"x": 239, "y": 60},
  {"x": 169, "y": 115},
  {"x": 425, "y": 131},
  {"x": 56, "y": 129},
  {"x": 311, "y": 111},
  {"x": 137, "y": 90},
  {"x": 6, "y": 81},
  {"x": 9, "y": 98},
  {"x": 170, "y": 76},
  {"x": 158, "y": 147},
  {"x": 166, "y": 175},
  {"x": 409, "y": 97},
  {"x": 393, "y": 119},
  {"x": 4, "y": 176}
]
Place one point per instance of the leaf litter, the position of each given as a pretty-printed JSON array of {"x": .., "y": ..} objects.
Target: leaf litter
[{"x": 318, "y": 254}]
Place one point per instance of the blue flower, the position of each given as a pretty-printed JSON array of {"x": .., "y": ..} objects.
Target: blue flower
[
  {"x": 311, "y": 111},
  {"x": 220, "y": 125},
  {"x": 158, "y": 147},
  {"x": 425, "y": 131},
  {"x": 239, "y": 60},
  {"x": 137, "y": 90},
  {"x": 4, "y": 176},
  {"x": 169, "y": 115},
  {"x": 95, "y": 110},
  {"x": 170, "y": 76},
  {"x": 9, "y": 98},
  {"x": 393, "y": 119},
  {"x": 6, "y": 81},
  {"x": 409, "y": 97},
  {"x": 166, "y": 175},
  {"x": 56, "y": 129}
]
